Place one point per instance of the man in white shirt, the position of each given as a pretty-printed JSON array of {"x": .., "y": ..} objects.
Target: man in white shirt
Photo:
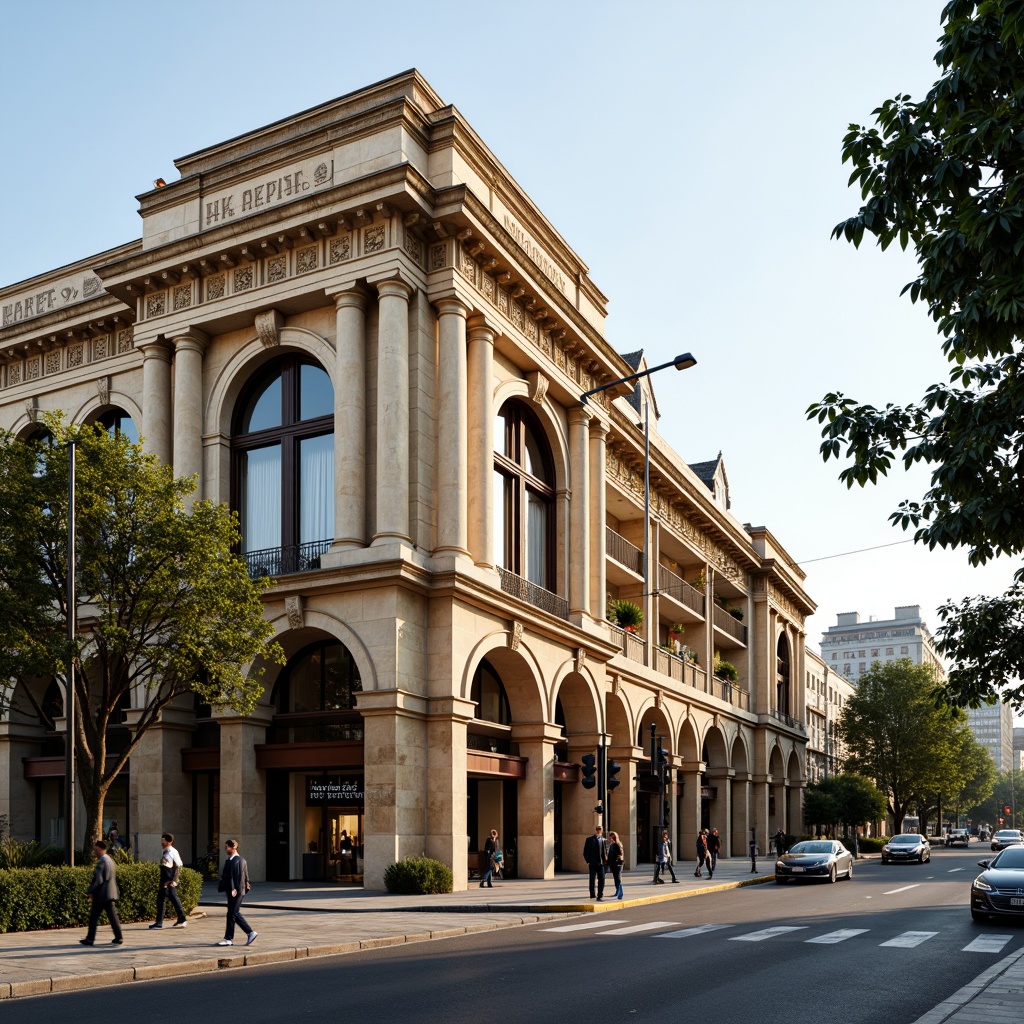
[{"x": 170, "y": 869}]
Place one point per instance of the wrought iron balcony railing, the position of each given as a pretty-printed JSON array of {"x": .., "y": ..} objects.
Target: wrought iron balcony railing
[{"x": 285, "y": 560}]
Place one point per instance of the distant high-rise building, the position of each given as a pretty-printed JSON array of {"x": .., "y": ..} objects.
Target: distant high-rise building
[
  {"x": 992, "y": 726},
  {"x": 851, "y": 647}
]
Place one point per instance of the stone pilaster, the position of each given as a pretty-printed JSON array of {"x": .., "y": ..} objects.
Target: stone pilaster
[
  {"x": 243, "y": 787},
  {"x": 739, "y": 831},
  {"x": 579, "y": 512},
  {"x": 480, "y": 398},
  {"x": 689, "y": 810},
  {"x": 536, "y": 840},
  {"x": 350, "y": 420},
  {"x": 598, "y": 521},
  {"x": 452, "y": 417},
  {"x": 578, "y": 816},
  {"x": 393, "y": 412},
  {"x": 721, "y": 806},
  {"x": 189, "y": 347},
  {"x": 156, "y": 399},
  {"x": 622, "y": 801}
]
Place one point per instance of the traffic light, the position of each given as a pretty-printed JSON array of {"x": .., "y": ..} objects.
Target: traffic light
[
  {"x": 589, "y": 771},
  {"x": 613, "y": 770},
  {"x": 662, "y": 762},
  {"x": 1006, "y": 810}
]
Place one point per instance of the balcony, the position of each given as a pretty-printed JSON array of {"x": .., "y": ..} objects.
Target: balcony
[
  {"x": 529, "y": 592},
  {"x": 286, "y": 560},
  {"x": 724, "y": 621},
  {"x": 672, "y": 586},
  {"x": 624, "y": 556},
  {"x": 788, "y": 720},
  {"x": 632, "y": 646}
]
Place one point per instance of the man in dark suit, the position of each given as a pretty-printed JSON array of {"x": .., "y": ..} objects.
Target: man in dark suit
[
  {"x": 595, "y": 853},
  {"x": 102, "y": 892},
  {"x": 234, "y": 882}
]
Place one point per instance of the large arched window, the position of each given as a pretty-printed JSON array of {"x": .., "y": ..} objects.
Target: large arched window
[
  {"x": 524, "y": 497},
  {"x": 488, "y": 693},
  {"x": 782, "y": 675},
  {"x": 284, "y": 467},
  {"x": 117, "y": 421}
]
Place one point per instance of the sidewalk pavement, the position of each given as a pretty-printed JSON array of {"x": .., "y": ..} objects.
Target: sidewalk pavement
[{"x": 348, "y": 919}]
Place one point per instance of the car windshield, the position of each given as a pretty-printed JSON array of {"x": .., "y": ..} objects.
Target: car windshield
[
  {"x": 1007, "y": 833},
  {"x": 812, "y": 848},
  {"x": 907, "y": 840},
  {"x": 1013, "y": 857}
]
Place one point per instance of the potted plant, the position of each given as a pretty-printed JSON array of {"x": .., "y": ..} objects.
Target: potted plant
[
  {"x": 628, "y": 615},
  {"x": 725, "y": 669},
  {"x": 700, "y": 581},
  {"x": 675, "y": 631},
  {"x": 736, "y": 613}
]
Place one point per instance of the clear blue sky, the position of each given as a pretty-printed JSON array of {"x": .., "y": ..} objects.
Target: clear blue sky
[{"x": 688, "y": 151}]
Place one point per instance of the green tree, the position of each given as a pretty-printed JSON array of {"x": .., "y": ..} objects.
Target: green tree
[
  {"x": 946, "y": 174},
  {"x": 895, "y": 734},
  {"x": 1006, "y": 792},
  {"x": 844, "y": 799},
  {"x": 164, "y": 606},
  {"x": 964, "y": 773}
]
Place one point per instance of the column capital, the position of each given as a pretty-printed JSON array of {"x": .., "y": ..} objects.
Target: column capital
[
  {"x": 480, "y": 325},
  {"x": 155, "y": 348},
  {"x": 350, "y": 296},
  {"x": 190, "y": 338},
  {"x": 451, "y": 305},
  {"x": 598, "y": 428},
  {"x": 579, "y": 415},
  {"x": 394, "y": 287}
]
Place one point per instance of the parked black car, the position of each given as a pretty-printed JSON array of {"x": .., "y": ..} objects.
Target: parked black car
[{"x": 999, "y": 889}]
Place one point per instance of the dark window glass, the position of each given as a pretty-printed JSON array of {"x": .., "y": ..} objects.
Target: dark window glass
[
  {"x": 117, "y": 421},
  {"x": 488, "y": 693}
]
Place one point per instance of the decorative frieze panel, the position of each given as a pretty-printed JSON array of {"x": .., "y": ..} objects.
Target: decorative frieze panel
[
  {"x": 374, "y": 238},
  {"x": 33, "y": 367},
  {"x": 215, "y": 287},
  {"x": 101, "y": 347},
  {"x": 183, "y": 296},
  {"x": 306, "y": 260},
  {"x": 341, "y": 249},
  {"x": 414, "y": 247},
  {"x": 156, "y": 304},
  {"x": 53, "y": 362},
  {"x": 244, "y": 279},
  {"x": 439, "y": 256},
  {"x": 780, "y": 600},
  {"x": 124, "y": 341},
  {"x": 277, "y": 269},
  {"x": 76, "y": 355}
]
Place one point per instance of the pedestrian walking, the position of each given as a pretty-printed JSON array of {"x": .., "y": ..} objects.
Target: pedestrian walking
[
  {"x": 492, "y": 851},
  {"x": 714, "y": 849},
  {"x": 595, "y": 853},
  {"x": 780, "y": 842},
  {"x": 663, "y": 859},
  {"x": 234, "y": 882},
  {"x": 102, "y": 893},
  {"x": 702, "y": 852},
  {"x": 170, "y": 869},
  {"x": 616, "y": 855}
]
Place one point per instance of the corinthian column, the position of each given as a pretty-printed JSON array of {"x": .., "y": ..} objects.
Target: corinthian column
[
  {"x": 393, "y": 412},
  {"x": 188, "y": 406},
  {"x": 350, "y": 420},
  {"x": 452, "y": 436},
  {"x": 156, "y": 399},
  {"x": 579, "y": 511},
  {"x": 480, "y": 373}
]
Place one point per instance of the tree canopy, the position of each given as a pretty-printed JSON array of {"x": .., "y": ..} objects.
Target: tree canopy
[
  {"x": 164, "y": 605},
  {"x": 844, "y": 799},
  {"x": 896, "y": 735},
  {"x": 945, "y": 174}
]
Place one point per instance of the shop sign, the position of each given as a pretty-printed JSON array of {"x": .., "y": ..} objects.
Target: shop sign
[{"x": 334, "y": 790}]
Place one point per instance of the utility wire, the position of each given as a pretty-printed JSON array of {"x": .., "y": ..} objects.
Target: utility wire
[{"x": 859, "y": 551}]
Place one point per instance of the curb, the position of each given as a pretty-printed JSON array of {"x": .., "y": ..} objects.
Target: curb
[{"x": 180, "y": 969}]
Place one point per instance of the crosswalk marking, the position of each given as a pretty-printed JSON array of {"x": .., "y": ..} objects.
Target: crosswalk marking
[
  {"x": 766, "y": 933},
  {"x": 908, "y": 940},
  {"x": 685, "y": 933},
  {"x": 649, "y": 927},
  {"x": 582, "y": 927},
  {"x": 902, "y": 888},
  {"x": 838, "y": 936},
  {"x": 988, "y": 944}
]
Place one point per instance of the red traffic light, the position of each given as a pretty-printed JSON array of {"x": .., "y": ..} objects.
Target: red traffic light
[{"x": 1006, "y": 810}]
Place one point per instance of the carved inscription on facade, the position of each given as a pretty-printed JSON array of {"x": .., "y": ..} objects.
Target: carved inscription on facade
[
  {"x": 64, "y": 292},
  {"x": 536, "y": 253},
  {"x": 284, "y": 186}
]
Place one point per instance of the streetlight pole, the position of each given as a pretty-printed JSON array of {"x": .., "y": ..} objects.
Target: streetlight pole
[{"x": 69, "y": 697}]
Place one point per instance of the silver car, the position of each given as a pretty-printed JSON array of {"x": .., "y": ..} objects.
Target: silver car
[
  {"x": 815, "y": 858},
  {"x": 1006, "y": 837},
  {"x": 907, "y": 847}
]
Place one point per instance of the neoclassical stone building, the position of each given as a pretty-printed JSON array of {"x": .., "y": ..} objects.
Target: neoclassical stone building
[{"x": 355, "y": 327}]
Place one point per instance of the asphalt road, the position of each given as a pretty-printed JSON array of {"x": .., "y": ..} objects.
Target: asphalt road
[{"x": 888, "y": 945}]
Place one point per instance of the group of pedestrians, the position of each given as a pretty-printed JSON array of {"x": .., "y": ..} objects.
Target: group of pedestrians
[
  {"x": 709, "y": 845},
  {"x": 103, "y": 893},
  {"x": 604, "y": 855}
]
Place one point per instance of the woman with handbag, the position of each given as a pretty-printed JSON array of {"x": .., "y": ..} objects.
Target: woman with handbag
[
  {"x": 615, "y": 858},
  {"x": 492, "y": 854}
]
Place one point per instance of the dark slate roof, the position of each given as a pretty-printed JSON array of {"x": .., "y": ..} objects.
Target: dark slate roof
[
  {"x": 634, "y": 359},
  {"x": 706, "y": 471}
]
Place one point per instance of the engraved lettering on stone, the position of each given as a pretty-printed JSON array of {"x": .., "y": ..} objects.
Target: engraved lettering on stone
[
  {"x": 124, "y": 340},
  {"x": 243, "y": 279},
  {"x": 53, "y": 361},
  {"x": 215, "y": 287},
  {"x": 306, "y": 260},
  {"x": 341, "y": 249},
  {"x": 277, "y": 269},
  {"x": 373, "y": 238},
  {"x": 183, "y": 296},
  {"x": 438, "y": 256},
  {"x": 76, "y": 354},
  {"x": 516, "y": 636},
  {"x": 534, "y": 251},
  {"x": 156, "y": 304},
  {"x": 293, "y": 609}
]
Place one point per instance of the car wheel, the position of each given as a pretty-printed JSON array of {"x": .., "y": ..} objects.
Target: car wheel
[
  {"x": 832, "y": 874},
  {"x": 978, "y": 917},
  {"x": 920, "y": 858},
  {"x": 849, "y": 873},
  {"x": 779, "y": 881}
]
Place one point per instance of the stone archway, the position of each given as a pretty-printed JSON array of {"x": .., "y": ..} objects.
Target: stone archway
[
  {"x": 740, "y": 783},
  {"x": 716, "y": 791},
  {"x": 622, "y": 803}
]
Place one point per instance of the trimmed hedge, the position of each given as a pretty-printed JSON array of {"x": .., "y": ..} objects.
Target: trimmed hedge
[
  {"x": 54, "y": 897},
  {"x": 417, "y": 876}
]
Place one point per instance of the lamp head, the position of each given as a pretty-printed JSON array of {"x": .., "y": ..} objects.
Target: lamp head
[{"x": 684, "y": 362}]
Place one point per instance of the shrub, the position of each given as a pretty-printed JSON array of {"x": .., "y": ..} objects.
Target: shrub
[
  {"x": 417, "y": 876},
  {"x": 628, "y": 615},
  {"x": 869, "y": 844},
  {"x": 16, "y": 854},
  {"x": 54, "y": 897}
]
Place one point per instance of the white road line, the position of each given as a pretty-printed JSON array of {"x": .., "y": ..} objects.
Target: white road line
[
  {"x": 648, "y": 927},
  {"x": 840, "y": 936},
  {"x": 908, "y": 940},
  {"x": 987, "y": 944},
  {"x": 951, "y": 870},
  {"x": 902, "y": 888},
  {"x": 685, "y": 933},
  {"x": 766, "y": 933},
  {"x": 582, "y": 927}
]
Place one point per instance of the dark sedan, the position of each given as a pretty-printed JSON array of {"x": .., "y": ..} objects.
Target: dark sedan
[
  {"x": 815, "y": 858},
  {"x": 999, "y": 889},
  {"x": 907, "y": 847}
]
